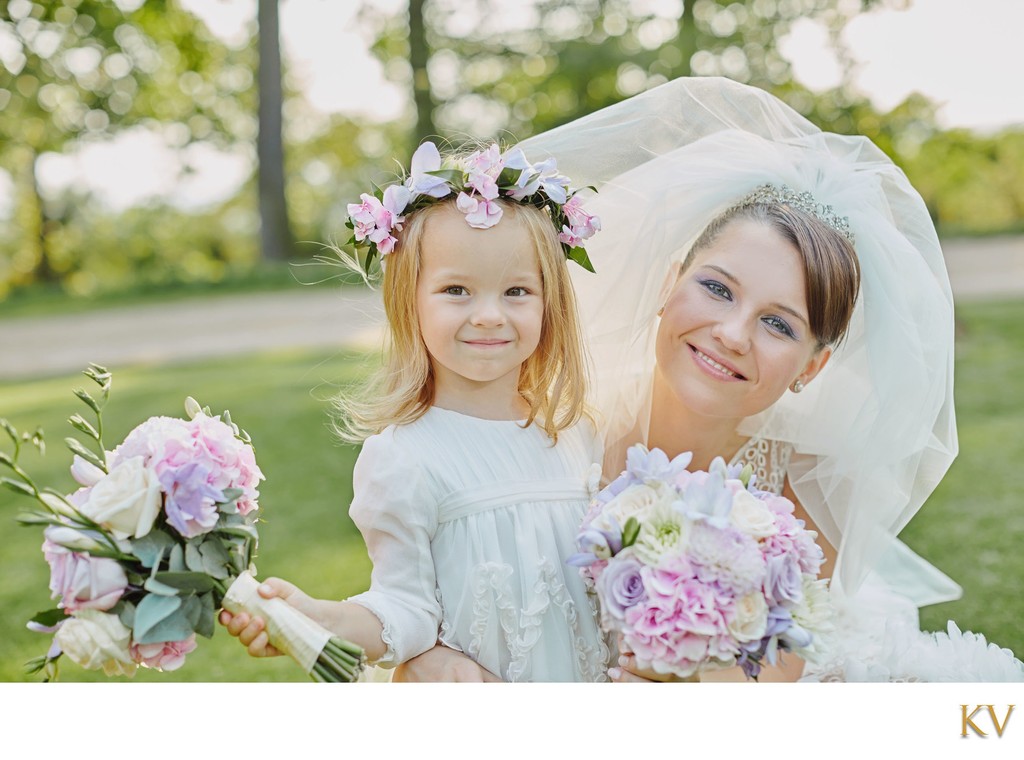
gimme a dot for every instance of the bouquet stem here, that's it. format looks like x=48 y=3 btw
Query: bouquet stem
x=318 y=652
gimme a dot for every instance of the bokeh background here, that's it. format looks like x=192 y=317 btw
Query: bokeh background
x=159 y=156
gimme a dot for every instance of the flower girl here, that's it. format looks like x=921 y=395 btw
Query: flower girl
x=478 y=457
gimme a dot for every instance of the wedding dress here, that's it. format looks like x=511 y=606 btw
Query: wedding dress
x=875 y=433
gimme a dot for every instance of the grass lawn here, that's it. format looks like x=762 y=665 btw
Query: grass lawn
x=972 y=528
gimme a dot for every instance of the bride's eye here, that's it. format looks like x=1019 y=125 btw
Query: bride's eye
x=716 y=288
x=779 y=325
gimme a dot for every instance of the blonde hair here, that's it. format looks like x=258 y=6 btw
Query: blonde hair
x=553 y=380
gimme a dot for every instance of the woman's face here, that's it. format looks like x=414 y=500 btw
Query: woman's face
x=734 y=333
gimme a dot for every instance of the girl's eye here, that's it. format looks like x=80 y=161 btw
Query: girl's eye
x=455 y=290
x=517 y=291
x=716 y=288
x=779 y=325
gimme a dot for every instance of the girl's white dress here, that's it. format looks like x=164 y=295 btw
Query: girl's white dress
x=469 y=523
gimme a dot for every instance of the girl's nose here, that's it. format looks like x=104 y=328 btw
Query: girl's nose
x=733 y=332
x=487 y=312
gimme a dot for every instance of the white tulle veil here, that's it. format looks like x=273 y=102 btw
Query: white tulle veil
x=875 y=432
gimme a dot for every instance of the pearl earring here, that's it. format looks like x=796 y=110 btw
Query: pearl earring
x=661 y=311
x=797 y=386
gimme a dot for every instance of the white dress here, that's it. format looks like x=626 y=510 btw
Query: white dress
x=468 y=523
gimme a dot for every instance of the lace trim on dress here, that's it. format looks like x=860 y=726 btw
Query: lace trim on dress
x=522 y=631
x=770 y=460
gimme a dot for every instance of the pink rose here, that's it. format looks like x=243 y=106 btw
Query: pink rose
x=80 y=581
x=163 y=655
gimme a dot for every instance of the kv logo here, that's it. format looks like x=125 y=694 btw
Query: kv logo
x=968 y=719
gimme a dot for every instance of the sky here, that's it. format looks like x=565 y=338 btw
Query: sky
x=967 y=57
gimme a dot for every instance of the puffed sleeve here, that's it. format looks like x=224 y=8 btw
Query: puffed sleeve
x=393 y=510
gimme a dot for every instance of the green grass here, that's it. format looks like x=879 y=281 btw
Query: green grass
x=972 y=528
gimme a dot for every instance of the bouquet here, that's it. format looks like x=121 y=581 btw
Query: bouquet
x=700 y=571
x=160 y=535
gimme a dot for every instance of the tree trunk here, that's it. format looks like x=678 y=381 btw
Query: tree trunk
x=43 y=271
x=419 y=53
x=275 y=229
x=687 y=39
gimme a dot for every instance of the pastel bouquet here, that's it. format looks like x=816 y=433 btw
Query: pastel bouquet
x=160 y=534
x=700 y=571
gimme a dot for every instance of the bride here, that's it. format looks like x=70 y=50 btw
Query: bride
x=861 y=447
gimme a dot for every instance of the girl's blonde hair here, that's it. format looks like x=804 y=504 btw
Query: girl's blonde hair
x=553 y=380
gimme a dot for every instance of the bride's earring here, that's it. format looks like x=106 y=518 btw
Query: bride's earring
x=797 y=386
x=661 y=311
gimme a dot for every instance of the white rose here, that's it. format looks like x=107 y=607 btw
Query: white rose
x=751 y=617
x=635 y=501
x=126 y=501
x=85 y=473
x=751 y=516
x=97 y=640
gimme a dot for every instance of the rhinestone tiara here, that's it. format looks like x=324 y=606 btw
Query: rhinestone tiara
x=801 y=200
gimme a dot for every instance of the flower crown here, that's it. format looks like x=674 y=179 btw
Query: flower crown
x=477 y=181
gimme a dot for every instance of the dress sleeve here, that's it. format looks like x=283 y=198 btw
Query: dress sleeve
x=397 y=517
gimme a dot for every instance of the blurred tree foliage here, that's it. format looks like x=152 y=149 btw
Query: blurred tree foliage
x=76 y=72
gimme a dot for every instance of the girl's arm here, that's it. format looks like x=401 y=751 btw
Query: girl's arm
x=345 y=619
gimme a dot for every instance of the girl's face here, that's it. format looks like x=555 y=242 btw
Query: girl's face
x=480 y=304
x=734 y=333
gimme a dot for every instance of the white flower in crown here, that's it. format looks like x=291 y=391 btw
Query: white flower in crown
x=426 y=159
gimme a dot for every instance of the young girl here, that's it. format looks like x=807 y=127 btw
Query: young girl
x=477 y=454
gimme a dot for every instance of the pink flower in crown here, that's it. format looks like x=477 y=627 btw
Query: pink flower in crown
x=569 y=237
x=163 y=655
x=375 y=219
x=426 y=159
x=583 y=225
x=484 y=167
x=480 y=212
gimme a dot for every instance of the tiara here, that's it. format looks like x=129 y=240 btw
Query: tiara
x=477 y=181
x=803 y=201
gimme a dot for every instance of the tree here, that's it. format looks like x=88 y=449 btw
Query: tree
x=275 y=229
x=527 y=67
x=80 y=70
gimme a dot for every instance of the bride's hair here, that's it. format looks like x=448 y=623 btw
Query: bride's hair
x=553 y=379
x=831 y=269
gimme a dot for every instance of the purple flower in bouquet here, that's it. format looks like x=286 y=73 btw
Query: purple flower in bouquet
x=190 y=501
x=622 y=587
x=709 y=572
x=784 y=584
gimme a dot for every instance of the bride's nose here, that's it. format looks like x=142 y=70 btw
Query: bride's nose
x=733 y=332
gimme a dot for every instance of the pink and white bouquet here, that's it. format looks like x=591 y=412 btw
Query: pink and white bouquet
x=160 y=534
x=700 y=571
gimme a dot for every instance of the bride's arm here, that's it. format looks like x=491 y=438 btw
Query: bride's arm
x=442 y=664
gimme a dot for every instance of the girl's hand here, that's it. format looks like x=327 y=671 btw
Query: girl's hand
x=251 y=631
x=442 y=664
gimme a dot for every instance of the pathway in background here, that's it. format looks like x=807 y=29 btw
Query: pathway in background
x=327 y=317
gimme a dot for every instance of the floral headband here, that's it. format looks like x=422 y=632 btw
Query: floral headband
x=477 y=180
